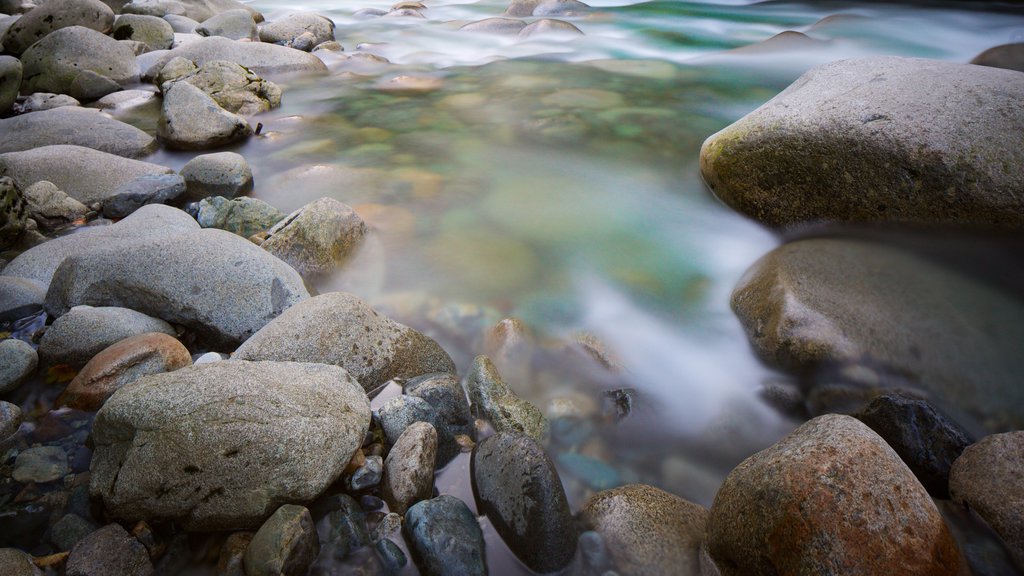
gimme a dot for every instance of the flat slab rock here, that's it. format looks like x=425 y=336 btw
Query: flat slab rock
x=221 y=446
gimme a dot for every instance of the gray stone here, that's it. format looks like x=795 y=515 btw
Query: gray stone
x=13 y=209
x=285 y=545
x=409 y=467
x=109 y=550
x=561 y=8
x=521 y=8
x=19 y=297
x=40 y=465
x=880 y=139
x=221 y=446
x=156 y=33
x=138 y=48
x=330 y=46
x=10 y=420
x=830 y=300
x=40 y=101
x=198 y=10
x=369 y=474
x=14 y=562
x=391 y=555
x=317 y=238
x=91 y=85
x=50 y=207
x=1007 y=56
x=152 y=189
x=235 y=88
x=338 y=328
x=445 y=538
x=506 y=26
x=222 y=286
x=400 y=412
x=549 y=26
x=287 y=29
x=75 y=126
x=10 y=81
x=54 y=63
x=50 y=16
x=126 y=100
x=69 y=531
x=233 y=24
x=517 y=487
x=242 y=216
x=491 y=398
x=341 y=524
x=181 y=24
x=831 y=497
x=987 y=477
x=305 y=42
x=263 y=59
x=390 y=526
x=647 y=531
x=445 y=394
x=175 y=68
x=222 y=174
x=41 y=262
x=84 y=174
x=18 y=360
x=191 y=120
x=158 y=8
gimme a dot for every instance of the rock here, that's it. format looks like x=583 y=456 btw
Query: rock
x=222 y=286
x=47 y=17
x=445 y=538
x=561 y=8
x=832 y=496
x=549 y=26
x=400 y=412
x=517 y=487
x=50 y=207
x=158 y=8
x=233 y=24
x=231 y=559
x=220 y=446
x=305 y=42
x=109 y=550
x=647 y=531
x=927 y=440
x=521 y=8
x=285 y=545
x=191 y=120
x=221 y=174
x=40 y=101
x=126 y=100
x=40 y=465
x=14 y=562
x=507 y=26
x=86 y=175
x=18 y=360
x=369 y=474
x=987 y=477
x=181 y=24
x=1008 y=56
x=175 y=69
x=10 y=420
x=263 y=59
x=444 y=392
x=409 y=467
x=19 y=298
x=55 y=63
x=198 y=10
x=76 y=126
x=287 y=29
x=880 y=139
x=492 y=399
x=339 y=328
x=242 y=216
x=91 y=85
x=329 y=46
x=151 y=189
x=317 y=238
x=69 y=531
x=234 y=88
x=391 y=555
x=84 y=332
x=10 y=81
x=120 y=365
x=13 y=210
x=822 y=301
x=156 y=33
x=341 y=524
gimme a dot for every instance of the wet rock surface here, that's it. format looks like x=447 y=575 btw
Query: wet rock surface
x=286 y=544
x=401 y=412
x=491 y=398
x=445 y=537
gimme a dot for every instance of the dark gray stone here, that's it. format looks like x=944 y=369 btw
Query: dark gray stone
x=341 y=524
x=69 y=531
x=285 y=545
x=40 y=101
x=154 y=189
x=50 y=16
x=391 y=555
x=109 y=550
x=400 y=412
x=55 y=63
x=50 y=207
x=192 y=120
x=224 y=174
x=10 y=81
x=40 y=465
x=233 y=24
x=14 y=562
x=445 y=538
x=13 y=209
x=491 y=398
x=368 y=475
x=10 y=420
x=156 y=33
x=444 y=392
x=84 y=332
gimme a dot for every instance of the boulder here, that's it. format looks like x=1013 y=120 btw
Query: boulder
x=109 y=550
x=151 y=189
x=70 y=55
x=288 y=29
x=234 y=88
x=506 y=26
x=445 y=538
x=338 y=328
x=40 y=101
x=517 y=487
x=19 y=297
x=881 y=139
x=548 y=26
x=261 y=58
x=84 y=332
x=830 y=498
x=198 y=10
x=647 y=531
x=285 y=545
x=75 y=126
x=1007 y=56
x=222 y=286
x=192 y=120
x=13 y=209
x=224 y=174
x=50 y=207
x=120 y=365
x=86 y=175
x=829 y=300
x=317 y=238
x=14 y=562
x=221 y=446
x=491 y=398
x=409 y=468
x=10 y=81
x=242 y=216
x=233 y=24
x=47 y=17
x=156 y=33
x=10 y=420
x=18 y=360
x=987 y=477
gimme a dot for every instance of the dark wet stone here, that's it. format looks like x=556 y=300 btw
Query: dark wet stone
x=491 y=398
x=40 y=465
x=152 y=189
x=341 y=524
x=14 y=562
x=391 y=555
x=13 y=209
x=285 y=545
x=445 y=538
x=18 y=360
x=1008 y=56
x=444 y=392
x=401 y=412
x=368 y=475
x=109 y=550
x=69 y=531
x=517 y=487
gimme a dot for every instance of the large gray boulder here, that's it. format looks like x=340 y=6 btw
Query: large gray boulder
x=262 y=58
x=235 y=88
x=10 y=81
x=287 y=29
x=220 y=446
x=825 y=301
x=243 y=216
x=75 y=126
x=224 y=174
x=84 y=174
x=214 y=282
x=192 y=120
x=881 y=139
x=19 y=297
x=339 y=328
x=68 y=60
x=233 y=24
x=54 y=15
x=85 y=331
x=155 y=33
x=197 y=10
x=317 y=238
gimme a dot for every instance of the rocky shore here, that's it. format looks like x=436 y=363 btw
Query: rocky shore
x=218 y=415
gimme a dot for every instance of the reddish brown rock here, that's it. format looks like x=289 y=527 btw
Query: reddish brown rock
x=121 y=364
x=830 y=498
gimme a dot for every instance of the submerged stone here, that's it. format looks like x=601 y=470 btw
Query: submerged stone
x=445 y=538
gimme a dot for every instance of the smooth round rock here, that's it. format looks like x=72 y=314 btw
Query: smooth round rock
x=400 y=412
x=150 y=189
x=47 y=17
x=181 y=24
x=76 y=126
x=288 y=29
x=57 y=61
x=109 y=550
x=156 y=33
x=12 y=209
x=18 y=360
x=285 y=545
x=192 y=120
x=85 y=331
x=517 y=487
x=198 y=10
x=832 y=497
x=10 y=81
x=409 y=467
x=1007 y=56
x=317 y=238
x=40 y=465
x=445 y=538
x=19 y=298
x=224 y=174
x=233 y=24
x=10 y=419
